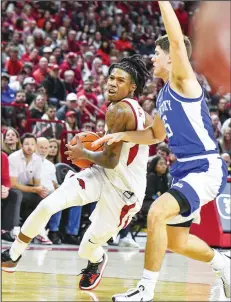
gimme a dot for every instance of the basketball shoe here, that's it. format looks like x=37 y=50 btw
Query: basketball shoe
x=8 y=265
x=92 y=274
x=140 y=293
x=224 y=274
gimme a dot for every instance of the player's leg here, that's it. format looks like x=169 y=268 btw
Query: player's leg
x=80 y=189
x=183 y=243
x=163 y=209
x=113 y=211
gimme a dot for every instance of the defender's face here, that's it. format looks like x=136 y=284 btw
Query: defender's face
x=160 y=62
x=119 y=85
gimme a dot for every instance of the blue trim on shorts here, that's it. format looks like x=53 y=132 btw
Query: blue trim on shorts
x=224 y=177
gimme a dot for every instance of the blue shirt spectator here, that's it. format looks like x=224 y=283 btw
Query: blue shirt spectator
x=7 y=94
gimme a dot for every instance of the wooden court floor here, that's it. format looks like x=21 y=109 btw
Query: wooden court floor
x=51 y=274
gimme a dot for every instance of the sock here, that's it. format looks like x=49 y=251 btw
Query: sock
x=217 y=262
x=17 y=248
x=149 y=280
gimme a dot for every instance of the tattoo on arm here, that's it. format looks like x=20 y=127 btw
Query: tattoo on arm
x=116 y=120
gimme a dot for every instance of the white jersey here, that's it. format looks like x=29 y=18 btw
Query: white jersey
x=130 y=173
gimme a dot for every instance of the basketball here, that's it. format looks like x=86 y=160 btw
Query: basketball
x=212 y=43
x=87 y=138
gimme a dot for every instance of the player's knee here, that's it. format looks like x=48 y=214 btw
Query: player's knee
x=156 y=214
x=46 y=207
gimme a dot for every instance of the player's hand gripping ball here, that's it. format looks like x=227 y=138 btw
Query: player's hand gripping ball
x=86 y=139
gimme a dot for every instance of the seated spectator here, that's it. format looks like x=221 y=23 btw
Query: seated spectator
x=42 y=71
x=48 y=129
x=216 y=125
x=157 y=181
x=10 y=203
x=13 y=65
x=7 y=94
x=71 y=64
x=55 y=89
x=227 y=159
x=25 y=176
x=21 y=122
x=69 y=85
x=99 y=126
x=89 y=94
x=225 y=141
x=226 y=124
x=71 y=124
x=71 y=104
x=148 y=106
x=86 y=115
x=163 y=151
x=11 y=141
x=54 y=151
x=38 y=106
x=29 y=88
x=222 y=111
x=16 y=82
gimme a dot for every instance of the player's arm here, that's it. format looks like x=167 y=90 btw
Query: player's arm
x=181 y=67
x=153 y=134
x=117 y=118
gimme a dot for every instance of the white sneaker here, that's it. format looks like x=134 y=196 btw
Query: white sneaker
x=128 y=242
x=135 y=294
x=224 y=274
x=42 y=238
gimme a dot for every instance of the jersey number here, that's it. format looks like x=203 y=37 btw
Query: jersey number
x=167 y=127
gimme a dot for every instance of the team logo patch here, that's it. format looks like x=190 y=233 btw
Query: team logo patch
x=81 y=183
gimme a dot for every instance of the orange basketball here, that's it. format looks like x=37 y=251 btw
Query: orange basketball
x=86 y=138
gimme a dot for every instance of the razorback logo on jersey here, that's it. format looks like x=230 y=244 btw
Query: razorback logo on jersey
x=81 y=183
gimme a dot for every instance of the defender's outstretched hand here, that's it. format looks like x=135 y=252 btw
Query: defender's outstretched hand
x=109 y=138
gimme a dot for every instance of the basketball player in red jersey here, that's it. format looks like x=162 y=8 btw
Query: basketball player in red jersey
x=117 y=180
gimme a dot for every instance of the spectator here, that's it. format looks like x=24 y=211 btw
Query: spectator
x=48 y=129
x=157 y=180
x=42 y=71
x=13 y=65
x=69 y=85
x=85 y=114
x=21 y=123
x=71 y=64
x=222 y=112
x=10 y=203
x=71 y=104
x=46 y=52
x=99 y=126
x=148 y=106
x=226 y=124
x=216 y=125
x=90 y=95
x=182 y=16
x=71 y=124
x=16 y=82
x=11 y=141
x=25 y=170
x=54 y=151
x=226 y=157
x=29 y=88
x=225 y=141
x=38 y=107
x=163 y=151
x=54 y=86
x=7 y=94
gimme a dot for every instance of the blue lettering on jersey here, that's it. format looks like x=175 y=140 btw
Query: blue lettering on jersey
x=187 y=122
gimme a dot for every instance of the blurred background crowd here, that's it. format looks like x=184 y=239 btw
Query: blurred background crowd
x=55 y=57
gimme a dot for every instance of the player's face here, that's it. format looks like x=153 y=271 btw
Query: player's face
x=160 y=63
x=119 y=85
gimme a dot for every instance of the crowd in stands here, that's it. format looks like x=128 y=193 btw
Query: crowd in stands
x=55 y=57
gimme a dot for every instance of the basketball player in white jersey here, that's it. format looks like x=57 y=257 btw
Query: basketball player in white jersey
x=199 y=172
x=117 y=181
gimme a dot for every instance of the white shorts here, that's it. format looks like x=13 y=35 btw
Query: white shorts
x=115 y=208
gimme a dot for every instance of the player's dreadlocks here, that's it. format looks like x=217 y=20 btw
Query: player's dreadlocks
x=136 y=67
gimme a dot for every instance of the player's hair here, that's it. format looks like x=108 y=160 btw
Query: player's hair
x=137 y=69
x=164 y=44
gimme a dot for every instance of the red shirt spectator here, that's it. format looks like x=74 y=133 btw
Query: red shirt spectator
x=182 y=16
x=13 y=66
x=40 y=73
x=32 y=57
x=5 y=179
x=91 y=97
x=123 y=43
x=71 y=64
